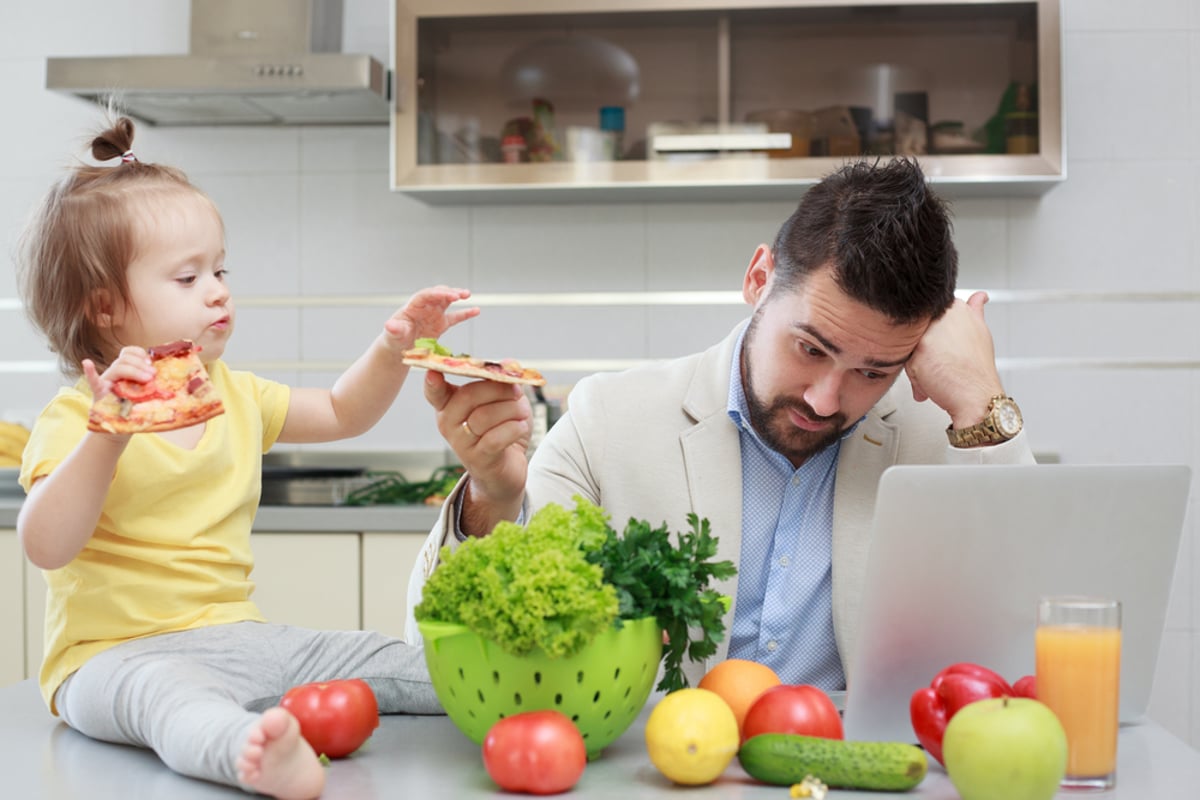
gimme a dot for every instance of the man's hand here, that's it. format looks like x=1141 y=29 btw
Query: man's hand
x=487 y=424
x=954 y=364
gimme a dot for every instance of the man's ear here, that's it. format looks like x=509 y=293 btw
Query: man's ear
x=100 y=308
x=758 y=275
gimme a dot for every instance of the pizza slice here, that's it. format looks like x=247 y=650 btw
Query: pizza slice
x=428 y=354
x=179 y=395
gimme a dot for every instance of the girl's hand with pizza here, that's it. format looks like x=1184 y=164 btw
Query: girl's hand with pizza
x=131 y=364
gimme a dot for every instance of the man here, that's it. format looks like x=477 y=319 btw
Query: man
x=856 y=357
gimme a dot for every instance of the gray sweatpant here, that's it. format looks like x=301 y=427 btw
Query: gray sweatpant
x=192 y=696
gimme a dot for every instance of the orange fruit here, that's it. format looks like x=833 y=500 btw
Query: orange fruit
x=739 y=683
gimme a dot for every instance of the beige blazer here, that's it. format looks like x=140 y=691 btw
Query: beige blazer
x=656 y=443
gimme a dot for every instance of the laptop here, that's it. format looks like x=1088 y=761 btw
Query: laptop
x=960 y=555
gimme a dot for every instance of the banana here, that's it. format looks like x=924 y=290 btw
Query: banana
x=12 y=443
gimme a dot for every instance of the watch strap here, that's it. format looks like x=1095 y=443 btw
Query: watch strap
x=981 y=433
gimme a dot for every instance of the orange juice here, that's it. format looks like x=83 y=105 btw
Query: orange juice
x=1078 y=676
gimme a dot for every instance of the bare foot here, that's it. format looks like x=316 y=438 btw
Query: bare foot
x=276 y=761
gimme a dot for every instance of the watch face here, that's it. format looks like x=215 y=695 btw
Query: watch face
x=1008 y=418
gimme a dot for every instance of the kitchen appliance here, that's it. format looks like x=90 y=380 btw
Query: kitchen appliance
x=251 y=62
x=796 y=123
x=8 y=483
x=310 y=486
x=315 y=477
x=670 y=141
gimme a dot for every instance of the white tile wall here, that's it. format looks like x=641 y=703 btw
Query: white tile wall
x=1126 y=94
x=1113 y=225
x=546 y=249
x=357 y=237
x=1120 y=16
x=309 y=212
x=981 y=233
x=703 y=246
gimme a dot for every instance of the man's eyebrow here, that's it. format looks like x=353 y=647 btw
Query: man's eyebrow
x=821 y=340
x=833 y=348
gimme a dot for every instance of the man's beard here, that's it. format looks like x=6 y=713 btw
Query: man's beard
x=772 y=422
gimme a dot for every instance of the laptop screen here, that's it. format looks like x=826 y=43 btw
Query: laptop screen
x=959 y=556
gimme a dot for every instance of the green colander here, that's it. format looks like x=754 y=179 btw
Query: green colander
x=602 y=688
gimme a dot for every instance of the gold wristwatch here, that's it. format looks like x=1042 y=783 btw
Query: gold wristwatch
x=1001 y=423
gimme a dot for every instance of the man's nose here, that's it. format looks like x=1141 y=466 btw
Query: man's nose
x=822 y=395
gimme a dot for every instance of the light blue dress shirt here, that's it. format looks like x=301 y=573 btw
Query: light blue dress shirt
x=784 y=612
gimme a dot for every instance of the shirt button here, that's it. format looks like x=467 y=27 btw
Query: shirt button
x=772 y=645
x=784 y=561
x=795 y=480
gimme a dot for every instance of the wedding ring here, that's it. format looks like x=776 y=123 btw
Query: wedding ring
x=466 y=427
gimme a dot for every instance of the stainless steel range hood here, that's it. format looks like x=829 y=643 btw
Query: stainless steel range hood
x=251 y=62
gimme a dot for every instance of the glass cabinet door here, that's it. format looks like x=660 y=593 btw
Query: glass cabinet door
x=695 y=100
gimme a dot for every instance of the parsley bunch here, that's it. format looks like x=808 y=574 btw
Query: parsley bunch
x=655 y=578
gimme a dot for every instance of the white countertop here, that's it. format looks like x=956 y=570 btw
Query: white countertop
x=427 y=757
x=417 y=464
x=301 y=519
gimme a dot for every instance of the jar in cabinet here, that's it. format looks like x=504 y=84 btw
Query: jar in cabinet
x=514 y=149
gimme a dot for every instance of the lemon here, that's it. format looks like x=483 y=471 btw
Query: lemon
x=691 y=736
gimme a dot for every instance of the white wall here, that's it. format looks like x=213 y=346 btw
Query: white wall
x=309 y=213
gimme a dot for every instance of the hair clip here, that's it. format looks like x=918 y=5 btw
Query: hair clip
x=128 y=156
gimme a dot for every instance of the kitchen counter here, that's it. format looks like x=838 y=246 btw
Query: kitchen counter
x=301 y=519
x=416 y=464
x=427 y=757
x=346 y=518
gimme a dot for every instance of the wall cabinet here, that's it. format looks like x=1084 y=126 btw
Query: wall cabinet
x=308 y=579
x=35 y=617
x=336 y=581
x=388 y=559
x=536 y=100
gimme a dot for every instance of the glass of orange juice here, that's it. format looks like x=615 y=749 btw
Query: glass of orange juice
x=1078 y=652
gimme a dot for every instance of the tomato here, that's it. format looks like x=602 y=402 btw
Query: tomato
x=538 y=752
x=138 y=392
x=793 y=709
x=335 y=717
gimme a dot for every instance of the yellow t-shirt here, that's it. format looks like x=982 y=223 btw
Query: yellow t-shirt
x=171 y=550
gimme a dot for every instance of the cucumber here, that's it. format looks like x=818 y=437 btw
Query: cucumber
x=785 y=758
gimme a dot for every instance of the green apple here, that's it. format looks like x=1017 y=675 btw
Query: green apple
x=1003 y=748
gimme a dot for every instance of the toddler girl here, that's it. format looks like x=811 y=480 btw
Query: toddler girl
x=144 y=539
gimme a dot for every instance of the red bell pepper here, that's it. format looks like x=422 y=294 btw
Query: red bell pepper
x=1026 y=687
x=954 y=687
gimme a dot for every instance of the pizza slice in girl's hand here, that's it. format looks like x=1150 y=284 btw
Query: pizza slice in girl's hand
x=428 y=354
x=180 y=394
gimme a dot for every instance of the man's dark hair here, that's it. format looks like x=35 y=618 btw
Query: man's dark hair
x=884 y=232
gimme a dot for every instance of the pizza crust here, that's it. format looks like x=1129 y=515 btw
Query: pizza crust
x=163 y=419
x=180 y=395
x=507 y=371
